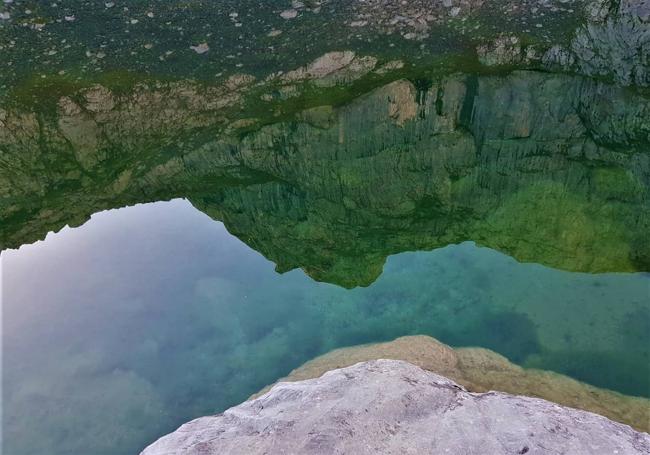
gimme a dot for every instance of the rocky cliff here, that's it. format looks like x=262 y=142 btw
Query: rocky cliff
x=393 y=407
x=503 y=161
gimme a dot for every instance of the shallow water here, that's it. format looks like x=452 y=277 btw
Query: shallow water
x=195 y=200
x=151 y=315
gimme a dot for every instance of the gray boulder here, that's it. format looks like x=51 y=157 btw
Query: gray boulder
x=394 y=407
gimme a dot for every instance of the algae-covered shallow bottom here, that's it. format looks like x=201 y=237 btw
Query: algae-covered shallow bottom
x=148 y=316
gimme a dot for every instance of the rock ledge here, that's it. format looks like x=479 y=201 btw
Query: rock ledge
x=394 y=407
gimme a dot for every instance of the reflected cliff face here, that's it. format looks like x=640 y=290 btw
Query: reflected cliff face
x=358 y=172
x=442 y=168
x=546 y=168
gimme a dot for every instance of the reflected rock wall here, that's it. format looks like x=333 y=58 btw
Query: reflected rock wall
x=547 y=168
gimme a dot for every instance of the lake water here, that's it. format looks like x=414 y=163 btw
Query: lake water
x=197 y=198
x=151 y=315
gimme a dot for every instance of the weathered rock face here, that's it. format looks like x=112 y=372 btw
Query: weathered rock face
x=393 y=407
x=505 y=162
x=615 y=42
x=482 y=370
x=547 y=168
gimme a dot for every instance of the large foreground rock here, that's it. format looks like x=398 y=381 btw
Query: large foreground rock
x=394 y=407
x=482 y=370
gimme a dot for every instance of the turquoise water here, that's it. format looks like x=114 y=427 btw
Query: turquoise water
x=151 y=315
x=352 y=174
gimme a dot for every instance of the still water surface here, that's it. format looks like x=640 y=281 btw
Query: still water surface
x=118 y=331
x=299 y=144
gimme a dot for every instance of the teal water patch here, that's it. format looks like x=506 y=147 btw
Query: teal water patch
x=149 y=316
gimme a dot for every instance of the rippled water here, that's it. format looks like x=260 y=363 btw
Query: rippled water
x=151 y=315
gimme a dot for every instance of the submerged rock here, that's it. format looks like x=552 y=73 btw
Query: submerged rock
x=289 y=14
x=394 y=407
x=611 y=37
x=332 y=69
x=200 y=48
x=482 y=370
x=505 y=50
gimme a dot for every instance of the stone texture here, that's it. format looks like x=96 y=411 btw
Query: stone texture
x=613 y=43
x=482 y=370
x=611 y=37
x=330 y=69
x=616 y=42
x=505 y=50
x=394 y=407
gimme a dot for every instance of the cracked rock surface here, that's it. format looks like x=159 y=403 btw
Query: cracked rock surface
x=394 y=407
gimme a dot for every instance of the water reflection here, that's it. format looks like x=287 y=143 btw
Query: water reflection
x=148 y=316
x=503 y=211
x=546 y=168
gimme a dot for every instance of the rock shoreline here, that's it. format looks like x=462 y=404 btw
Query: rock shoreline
x=483 y=370
x=394 y=407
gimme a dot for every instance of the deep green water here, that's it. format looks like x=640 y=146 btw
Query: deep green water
x=151 y=315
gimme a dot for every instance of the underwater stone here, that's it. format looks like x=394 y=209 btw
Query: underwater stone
x=200 y=48
x=289 y=14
